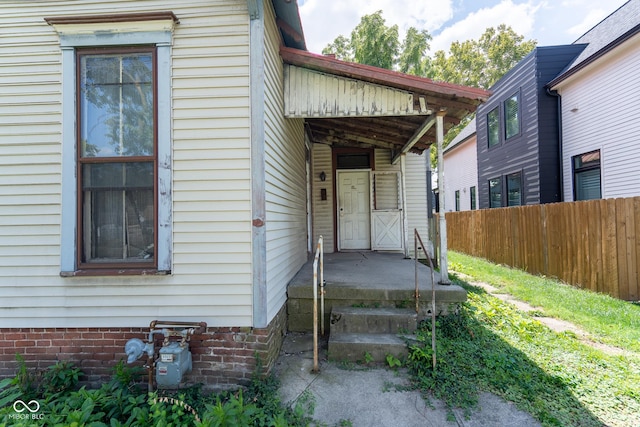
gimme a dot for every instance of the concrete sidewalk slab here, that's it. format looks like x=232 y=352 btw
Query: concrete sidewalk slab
x=366 y=397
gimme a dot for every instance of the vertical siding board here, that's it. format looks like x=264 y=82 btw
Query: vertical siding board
x=592 y=244
x=635 y=285
x=621 y=227
x=611 y=272
x=631 y=241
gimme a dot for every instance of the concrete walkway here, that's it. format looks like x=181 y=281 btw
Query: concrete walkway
x=363 y=397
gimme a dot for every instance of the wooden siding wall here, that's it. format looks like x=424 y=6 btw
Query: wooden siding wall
x=607 y=92
x=211 y=273
x=322 y=161
x=286 y=193
x=593 y=245
x=416 y=187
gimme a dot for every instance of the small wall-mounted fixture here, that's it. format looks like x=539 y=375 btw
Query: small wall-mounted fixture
x=323 y=194
x=574 y=109
x=323 y=176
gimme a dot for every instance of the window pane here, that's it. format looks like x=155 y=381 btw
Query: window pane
x=514 y=190
x=512 y=124
x=493 y=128
x=117 y=175
x=495 y=193
x=116 y=105
x=118 y=212
x=588 y=185
x=586 y=168
x=472 y=192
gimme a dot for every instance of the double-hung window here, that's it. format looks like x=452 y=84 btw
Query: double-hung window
x=116 y=143
x=117 y=158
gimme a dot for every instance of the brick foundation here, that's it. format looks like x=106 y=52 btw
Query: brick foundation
x=223 y=358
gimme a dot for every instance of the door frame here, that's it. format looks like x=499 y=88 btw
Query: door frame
x=337 y=205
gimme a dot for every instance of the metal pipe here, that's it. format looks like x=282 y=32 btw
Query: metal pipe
x=315 y=305
x=322 y=290
x=433 y=296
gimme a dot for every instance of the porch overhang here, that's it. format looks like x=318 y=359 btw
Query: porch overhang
x=353 y=105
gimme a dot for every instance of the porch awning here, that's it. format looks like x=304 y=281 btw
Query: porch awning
x=348 y=104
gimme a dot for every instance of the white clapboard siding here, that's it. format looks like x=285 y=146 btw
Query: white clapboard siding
x=461 y=173
x=322 y=209
x=211 y=177
x=310 y=93
x=285 y=175
x=416 y=186
x=606 y=100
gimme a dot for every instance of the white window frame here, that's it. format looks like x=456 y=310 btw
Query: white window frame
x=72 y=36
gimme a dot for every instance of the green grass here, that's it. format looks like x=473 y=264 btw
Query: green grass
x=608 y=320
x=494 y=347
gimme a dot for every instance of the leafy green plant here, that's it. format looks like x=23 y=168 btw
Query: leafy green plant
x=393 y=362
x=492 y=346
x=59 y=378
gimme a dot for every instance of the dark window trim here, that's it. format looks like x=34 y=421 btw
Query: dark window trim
x=499 y=178
x=499 y=120
x=473 y=198
x=518 y=95
x=585 y=169
x=114 y=268
x=506 y=187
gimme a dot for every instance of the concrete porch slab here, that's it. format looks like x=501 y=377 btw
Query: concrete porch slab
x=368 y=279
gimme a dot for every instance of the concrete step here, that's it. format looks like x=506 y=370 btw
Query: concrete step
x=352 y=347
x=378 y=320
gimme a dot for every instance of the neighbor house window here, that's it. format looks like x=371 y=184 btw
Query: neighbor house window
x=493 y=127
x=495 y=193
x=472 y=195
x=457 y=200
x=511 y=116
x=514 y=189
x=586 y=176
x=117 y=163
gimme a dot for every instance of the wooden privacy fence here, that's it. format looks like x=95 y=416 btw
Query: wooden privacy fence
x=592 y=244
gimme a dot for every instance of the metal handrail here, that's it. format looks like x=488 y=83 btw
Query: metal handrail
x=417 y=239
x=319 y=256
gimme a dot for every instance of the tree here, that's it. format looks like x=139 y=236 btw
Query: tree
x=414 y=59
x=371 y=43
x=483 y=62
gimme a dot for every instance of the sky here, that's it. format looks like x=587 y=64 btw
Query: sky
x=547 y=21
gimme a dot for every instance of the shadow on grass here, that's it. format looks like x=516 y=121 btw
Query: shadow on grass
x=472 y=357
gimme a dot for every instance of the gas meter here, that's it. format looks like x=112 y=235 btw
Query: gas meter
x=173 y=363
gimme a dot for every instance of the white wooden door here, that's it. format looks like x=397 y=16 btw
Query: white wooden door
x=354 y=214
x=386 y=216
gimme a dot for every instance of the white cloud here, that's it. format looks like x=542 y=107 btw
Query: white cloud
x=589 y=21
x=520 y=17
x=324 y=20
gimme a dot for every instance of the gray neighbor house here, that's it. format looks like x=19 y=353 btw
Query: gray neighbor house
x=518 y=133
x=538 y=137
